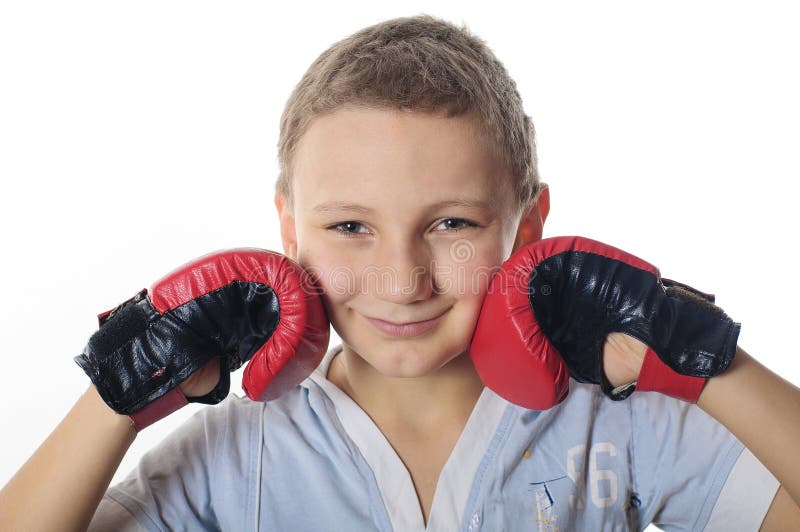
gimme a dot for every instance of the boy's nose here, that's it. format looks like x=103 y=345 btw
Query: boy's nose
x=403 y=275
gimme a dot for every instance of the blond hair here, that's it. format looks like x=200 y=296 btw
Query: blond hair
x=416 y=63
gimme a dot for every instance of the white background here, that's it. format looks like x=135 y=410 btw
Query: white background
x=136 y=136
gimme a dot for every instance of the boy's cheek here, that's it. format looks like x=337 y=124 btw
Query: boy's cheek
x=467 y=269
x=335 y=279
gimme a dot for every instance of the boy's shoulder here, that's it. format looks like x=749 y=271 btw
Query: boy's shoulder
x=238 y=409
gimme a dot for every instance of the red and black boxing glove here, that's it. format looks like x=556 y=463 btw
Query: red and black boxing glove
x=552 y=303
x=236 y=305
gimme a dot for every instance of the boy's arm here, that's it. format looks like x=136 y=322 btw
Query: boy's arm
x=60 y=486
x=763 y=411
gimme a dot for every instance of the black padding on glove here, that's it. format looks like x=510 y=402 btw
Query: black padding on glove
x=137 y=355
x=578 y=298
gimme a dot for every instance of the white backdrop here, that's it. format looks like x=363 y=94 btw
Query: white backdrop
x=136 y=136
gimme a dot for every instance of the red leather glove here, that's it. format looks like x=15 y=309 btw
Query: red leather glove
x=551 y=305
x=237 y=305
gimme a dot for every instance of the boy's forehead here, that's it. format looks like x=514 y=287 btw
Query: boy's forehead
x=383 y=155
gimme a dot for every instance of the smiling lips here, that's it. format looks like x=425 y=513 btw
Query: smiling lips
x=405 y=329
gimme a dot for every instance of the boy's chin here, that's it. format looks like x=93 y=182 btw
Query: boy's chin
x=410 y=361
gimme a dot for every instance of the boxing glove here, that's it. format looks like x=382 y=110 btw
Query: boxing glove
x=239 y=305
x=551 y=305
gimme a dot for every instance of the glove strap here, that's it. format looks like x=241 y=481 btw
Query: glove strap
x=658 y=377
x=161 y=407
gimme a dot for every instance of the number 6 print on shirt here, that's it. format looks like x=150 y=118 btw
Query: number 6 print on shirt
x=576 y=471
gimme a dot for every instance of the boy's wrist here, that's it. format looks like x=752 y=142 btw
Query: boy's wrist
x=101 y=411
x=717 y=384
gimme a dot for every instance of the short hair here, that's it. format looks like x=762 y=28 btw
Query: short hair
x=416 y=63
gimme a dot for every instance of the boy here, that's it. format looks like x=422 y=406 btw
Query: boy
x=395 y=429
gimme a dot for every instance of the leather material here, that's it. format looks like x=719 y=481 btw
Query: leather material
x=300 y=340
x=237 y=305
x=551 y=305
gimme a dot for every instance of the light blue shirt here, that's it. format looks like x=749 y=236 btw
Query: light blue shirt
x=313 y=460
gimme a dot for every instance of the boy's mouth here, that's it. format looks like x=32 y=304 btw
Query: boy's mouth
x=409 y=328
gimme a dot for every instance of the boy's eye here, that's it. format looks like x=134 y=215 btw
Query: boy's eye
x=456 y=224
x=350 y=228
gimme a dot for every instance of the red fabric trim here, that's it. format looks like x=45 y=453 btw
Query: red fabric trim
x=160 y=408
x=658 y=377
x=103 y=315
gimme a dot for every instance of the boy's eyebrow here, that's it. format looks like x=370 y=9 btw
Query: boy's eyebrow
x=335 y=206
x=338 y=206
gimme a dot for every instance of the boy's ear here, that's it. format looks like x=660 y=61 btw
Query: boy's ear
x=288 y=230
x=532 y=223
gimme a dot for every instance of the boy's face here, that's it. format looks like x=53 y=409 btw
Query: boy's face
x=402 y=257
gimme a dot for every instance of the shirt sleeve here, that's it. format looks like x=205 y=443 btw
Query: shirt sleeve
x=171 y=488
x=690 y=472
x=748 y=481
x=111 y=515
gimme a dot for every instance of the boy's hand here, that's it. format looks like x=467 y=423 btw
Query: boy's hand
x=553 y=308
x=179 y=342
x=622 y=358
x=202 y=381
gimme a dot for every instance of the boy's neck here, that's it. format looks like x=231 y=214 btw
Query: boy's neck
x=441 y=400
